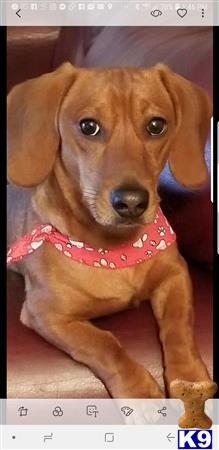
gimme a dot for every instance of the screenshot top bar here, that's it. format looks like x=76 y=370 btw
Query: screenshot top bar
x=105 y=13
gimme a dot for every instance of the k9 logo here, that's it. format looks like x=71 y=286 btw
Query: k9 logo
x=194 y=439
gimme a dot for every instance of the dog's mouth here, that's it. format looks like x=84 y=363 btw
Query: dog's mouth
x=108 y=218
x=129 y=223
x=143 y=220
x=104 y=212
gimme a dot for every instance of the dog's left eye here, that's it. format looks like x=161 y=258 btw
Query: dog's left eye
x=156 y=126
x=89 y=127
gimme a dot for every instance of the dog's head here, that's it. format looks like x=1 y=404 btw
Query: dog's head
x=112 y=130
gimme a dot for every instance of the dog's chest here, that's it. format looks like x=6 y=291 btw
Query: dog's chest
x=91 y=292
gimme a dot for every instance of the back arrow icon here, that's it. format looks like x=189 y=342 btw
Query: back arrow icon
x=169 y=437
x=17 y=12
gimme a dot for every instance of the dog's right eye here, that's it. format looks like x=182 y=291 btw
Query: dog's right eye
x=89 y=127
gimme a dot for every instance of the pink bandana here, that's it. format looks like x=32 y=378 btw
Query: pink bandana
x=153 y=239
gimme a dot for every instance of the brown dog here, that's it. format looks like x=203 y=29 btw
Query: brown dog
x=71 y=167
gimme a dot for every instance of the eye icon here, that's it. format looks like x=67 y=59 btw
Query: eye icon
x=156 y=13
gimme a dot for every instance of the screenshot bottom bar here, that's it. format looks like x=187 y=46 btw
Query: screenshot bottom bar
x=159 y=437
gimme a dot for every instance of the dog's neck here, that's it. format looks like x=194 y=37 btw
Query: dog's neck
x=58 y=202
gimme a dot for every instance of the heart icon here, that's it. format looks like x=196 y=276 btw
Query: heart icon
x=181 y=12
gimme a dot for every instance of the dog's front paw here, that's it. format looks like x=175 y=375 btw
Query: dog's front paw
x=193 y=372
x=138 y=383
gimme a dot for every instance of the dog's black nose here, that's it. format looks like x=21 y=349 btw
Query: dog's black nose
x=129 y=202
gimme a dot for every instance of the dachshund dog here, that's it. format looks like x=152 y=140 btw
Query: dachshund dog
x=85 y=150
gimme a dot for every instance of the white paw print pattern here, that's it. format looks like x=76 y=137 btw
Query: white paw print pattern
x=161 y=230
x=145 y=246
x=36 y=244
x=156 y=218
x=102 y=251
x=104 y=263
x=140 y=242
x=47 y=229
x=101 y=263
x=162 y=245
x=96 y=264
x=77 y=244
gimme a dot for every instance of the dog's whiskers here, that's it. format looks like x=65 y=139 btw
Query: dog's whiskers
x=89 y=193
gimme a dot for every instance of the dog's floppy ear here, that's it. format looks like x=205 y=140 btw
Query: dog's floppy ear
x=193 y=110
x=33 y=135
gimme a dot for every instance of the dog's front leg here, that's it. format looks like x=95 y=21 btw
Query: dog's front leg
x=100 y=351
x=172 y=303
